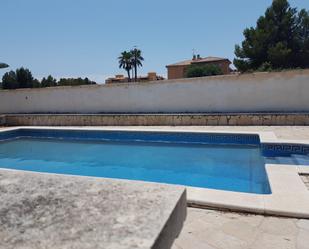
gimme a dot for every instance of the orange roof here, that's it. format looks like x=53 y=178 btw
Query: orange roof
x=201 y=60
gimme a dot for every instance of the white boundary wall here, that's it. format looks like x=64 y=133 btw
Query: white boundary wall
x=260 y=92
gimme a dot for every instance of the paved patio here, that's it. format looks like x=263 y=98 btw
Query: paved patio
x=209 y=229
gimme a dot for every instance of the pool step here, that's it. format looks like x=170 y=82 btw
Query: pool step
x=271 y=160
x=292 y=160
x=301 y=159
x=286 y=160
x=280 y=160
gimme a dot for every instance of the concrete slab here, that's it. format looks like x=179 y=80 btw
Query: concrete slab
x=58 y=211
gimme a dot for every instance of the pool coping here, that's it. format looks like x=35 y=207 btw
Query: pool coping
x=289 y=196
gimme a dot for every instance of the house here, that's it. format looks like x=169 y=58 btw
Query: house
x=119 y=78
x=179 y=70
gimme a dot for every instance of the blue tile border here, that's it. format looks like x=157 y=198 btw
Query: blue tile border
x=179 y=137
x=284 y=149
x=268 y=149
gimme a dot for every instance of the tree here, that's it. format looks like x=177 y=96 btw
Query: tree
x=49 y=81
x=200 y=71
x=21 y=78
x=303 y=38
x=36 y=83
x=136 y=60
x=86 y=81
x=280 y=39
x=125 y=62
x=9 y=80
x=74 y=82
x=24 y=78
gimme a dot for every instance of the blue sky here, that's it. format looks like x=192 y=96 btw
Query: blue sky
x=71 y=38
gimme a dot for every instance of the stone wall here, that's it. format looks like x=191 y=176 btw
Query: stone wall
x=157 y=119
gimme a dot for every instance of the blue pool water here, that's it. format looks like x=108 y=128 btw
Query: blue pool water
x=234 y=167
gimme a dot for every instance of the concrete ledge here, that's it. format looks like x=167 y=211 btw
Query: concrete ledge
x=237 y=119
x=39 y=210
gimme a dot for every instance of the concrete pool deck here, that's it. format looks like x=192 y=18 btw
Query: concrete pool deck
x=289 y=195
x=39 y=210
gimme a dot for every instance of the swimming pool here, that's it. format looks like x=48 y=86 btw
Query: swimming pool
x=232 y=162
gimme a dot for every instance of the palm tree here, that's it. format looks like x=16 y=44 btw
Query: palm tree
x=125 y=62
x=136 y=60
x=3 y=65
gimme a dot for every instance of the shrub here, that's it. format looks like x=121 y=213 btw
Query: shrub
x=201 y=71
